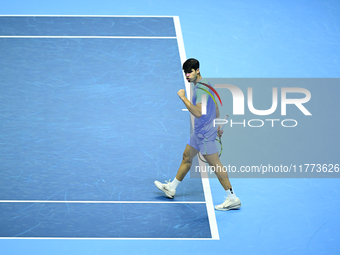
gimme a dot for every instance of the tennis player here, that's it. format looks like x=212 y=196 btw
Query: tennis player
x=202 y=139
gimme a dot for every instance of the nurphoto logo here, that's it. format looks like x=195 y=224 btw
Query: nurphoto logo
x=238 y=105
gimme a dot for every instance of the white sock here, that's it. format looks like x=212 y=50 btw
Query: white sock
x=174 y=184
x=231 y=194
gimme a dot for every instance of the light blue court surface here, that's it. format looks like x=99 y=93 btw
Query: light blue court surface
x=43 y=132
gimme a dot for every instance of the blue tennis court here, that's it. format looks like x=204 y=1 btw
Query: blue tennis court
x=88 y=135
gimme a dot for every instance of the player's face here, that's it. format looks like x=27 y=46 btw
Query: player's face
x=192 y=76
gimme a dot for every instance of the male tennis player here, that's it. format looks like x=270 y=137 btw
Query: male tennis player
x=202 y=139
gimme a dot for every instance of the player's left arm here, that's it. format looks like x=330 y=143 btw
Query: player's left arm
x=195 y=110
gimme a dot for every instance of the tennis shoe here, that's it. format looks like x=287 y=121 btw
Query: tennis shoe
x=165 y=187
x=229 y=204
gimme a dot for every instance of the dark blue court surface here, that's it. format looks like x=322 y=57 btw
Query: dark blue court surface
x=128 y=220
x=89 y=26
x=93 y=119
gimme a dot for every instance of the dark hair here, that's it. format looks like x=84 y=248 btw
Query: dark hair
x=190 y=64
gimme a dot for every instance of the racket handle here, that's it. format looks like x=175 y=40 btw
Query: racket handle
x=222 y=125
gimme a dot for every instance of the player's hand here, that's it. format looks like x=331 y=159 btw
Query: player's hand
x=181 y=93
x=219 y=132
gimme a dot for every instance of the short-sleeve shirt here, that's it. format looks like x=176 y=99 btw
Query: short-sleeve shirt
x=204 y=126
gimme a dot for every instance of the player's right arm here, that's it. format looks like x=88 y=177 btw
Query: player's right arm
x=195 y=110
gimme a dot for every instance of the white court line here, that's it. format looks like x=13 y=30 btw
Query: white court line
x=182 y=54
x=84 y=37
x=204 y=176
x=102 y=202
x=103 y=238
x=87 y=16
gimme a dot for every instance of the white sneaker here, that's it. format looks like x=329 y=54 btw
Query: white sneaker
x=229 y=204
x=166 y=189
